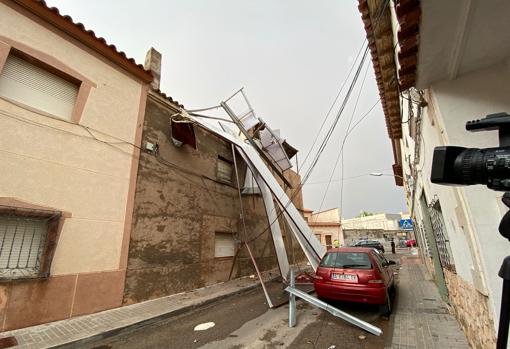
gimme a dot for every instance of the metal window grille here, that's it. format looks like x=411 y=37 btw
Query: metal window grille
x=441 y=236
x=22 y=242
x=420 y=231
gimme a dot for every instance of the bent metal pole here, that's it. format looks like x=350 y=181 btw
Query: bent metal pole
x=245 y=233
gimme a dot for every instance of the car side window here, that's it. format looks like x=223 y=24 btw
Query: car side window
x=381 y=261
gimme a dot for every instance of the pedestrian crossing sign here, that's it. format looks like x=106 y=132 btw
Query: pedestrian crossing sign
x=406 y=224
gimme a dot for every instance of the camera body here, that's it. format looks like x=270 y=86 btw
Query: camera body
x=452 y=165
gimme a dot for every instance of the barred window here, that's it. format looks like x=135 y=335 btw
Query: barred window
x=22 y=242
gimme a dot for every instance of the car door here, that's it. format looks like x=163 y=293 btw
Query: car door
x=386 y=269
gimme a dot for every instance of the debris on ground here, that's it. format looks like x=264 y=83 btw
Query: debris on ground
x=204 y=326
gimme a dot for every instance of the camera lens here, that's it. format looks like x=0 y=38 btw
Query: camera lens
x=469 y=166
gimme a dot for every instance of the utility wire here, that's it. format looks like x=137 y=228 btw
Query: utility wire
x=333 y=104
x=344 y=139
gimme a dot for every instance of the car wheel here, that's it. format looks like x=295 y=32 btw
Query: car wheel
x=385 y=309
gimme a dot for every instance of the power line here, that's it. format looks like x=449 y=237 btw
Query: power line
x=333 y=104
x=344 y=139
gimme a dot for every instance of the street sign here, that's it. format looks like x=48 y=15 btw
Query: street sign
x=406 y=224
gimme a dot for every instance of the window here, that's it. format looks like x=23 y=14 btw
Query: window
x=36 y=87
x=22 y=245
x=224 y=245
x=348 y=260
x=224 y=170
x=328 y=242
x=381 y=260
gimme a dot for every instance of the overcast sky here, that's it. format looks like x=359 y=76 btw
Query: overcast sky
x=291 y=57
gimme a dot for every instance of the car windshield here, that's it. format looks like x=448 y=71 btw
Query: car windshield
x=350 y=260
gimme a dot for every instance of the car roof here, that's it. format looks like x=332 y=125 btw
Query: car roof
x=352 y=249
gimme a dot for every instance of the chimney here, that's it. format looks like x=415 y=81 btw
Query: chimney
x=153 y=63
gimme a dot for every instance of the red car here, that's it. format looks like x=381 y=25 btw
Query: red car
x=355 y=274
x=411 y=243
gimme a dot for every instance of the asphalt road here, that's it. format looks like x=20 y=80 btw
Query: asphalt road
x=244 y=321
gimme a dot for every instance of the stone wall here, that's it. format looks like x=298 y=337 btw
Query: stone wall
x=471 y=309
x=352 y=235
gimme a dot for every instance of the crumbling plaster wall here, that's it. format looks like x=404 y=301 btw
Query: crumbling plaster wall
x=179 y=205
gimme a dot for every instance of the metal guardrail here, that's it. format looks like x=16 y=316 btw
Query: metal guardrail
x=323 y=305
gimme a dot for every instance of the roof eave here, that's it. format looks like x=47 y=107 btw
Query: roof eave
x=86 y=37
x=380 y=36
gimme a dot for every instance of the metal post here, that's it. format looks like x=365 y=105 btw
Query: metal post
x=245 y=233
x=336 y=312
x=292 y=301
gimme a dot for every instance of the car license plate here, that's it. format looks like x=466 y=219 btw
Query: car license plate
x=344 y=277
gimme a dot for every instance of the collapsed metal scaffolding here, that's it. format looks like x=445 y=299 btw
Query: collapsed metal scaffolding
x=260 y=155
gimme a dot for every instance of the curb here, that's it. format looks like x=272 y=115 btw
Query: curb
x=77 y=343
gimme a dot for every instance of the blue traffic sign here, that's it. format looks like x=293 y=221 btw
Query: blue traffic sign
x=406 y=224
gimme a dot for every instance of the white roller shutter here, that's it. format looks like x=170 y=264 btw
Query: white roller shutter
x=224 y=245
x=224 y=171
x=23 y=82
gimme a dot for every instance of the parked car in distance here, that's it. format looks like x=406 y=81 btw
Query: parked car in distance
x=411 y=243
x=355 y=274
x=370 y=243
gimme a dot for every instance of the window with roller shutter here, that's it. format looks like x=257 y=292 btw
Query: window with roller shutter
x=224 y=245
x=224 y=170
x=30 y=85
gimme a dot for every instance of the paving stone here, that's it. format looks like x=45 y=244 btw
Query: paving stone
x=421 y=319
x=80 y=328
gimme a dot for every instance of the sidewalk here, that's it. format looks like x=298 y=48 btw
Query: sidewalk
x=421 y=318
x=75 y=332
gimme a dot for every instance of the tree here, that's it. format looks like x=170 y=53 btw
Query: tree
x=364 y=214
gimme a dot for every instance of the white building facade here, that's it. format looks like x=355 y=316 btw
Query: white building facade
x=451 y=62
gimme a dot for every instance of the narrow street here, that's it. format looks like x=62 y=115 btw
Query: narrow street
x=244 y=321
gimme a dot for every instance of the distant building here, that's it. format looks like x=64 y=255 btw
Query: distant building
x=327 y=227
x=378 y=226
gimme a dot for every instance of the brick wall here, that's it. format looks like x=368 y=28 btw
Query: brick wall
x=471 y=309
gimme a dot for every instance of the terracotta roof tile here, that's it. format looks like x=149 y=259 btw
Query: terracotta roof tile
x=168 y=98
x=77 y=30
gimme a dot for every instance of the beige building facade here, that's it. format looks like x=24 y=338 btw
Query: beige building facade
x=71 y=114
x=327 y=227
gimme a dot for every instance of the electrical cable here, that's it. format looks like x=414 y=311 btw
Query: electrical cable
x=383 y=7
x=112 y=144
x=301 y=186
x=343 y=141
x=333 y=104
x=296 y=191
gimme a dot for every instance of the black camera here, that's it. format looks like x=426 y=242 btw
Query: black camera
x=467 y=166
x=490 y=166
